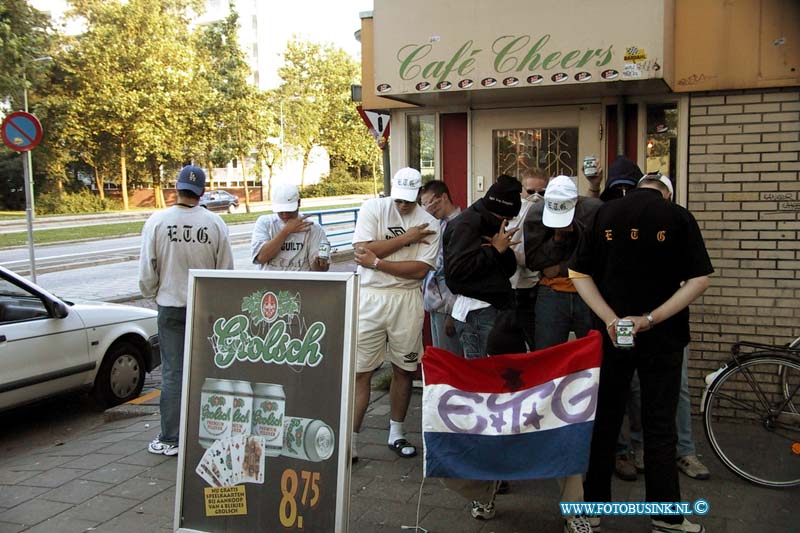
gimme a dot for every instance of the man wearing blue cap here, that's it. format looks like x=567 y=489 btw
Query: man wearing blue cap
x=175 y=240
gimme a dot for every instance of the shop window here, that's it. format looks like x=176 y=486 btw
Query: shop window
x=422 y=144
x=553 y=149
x=662 y=140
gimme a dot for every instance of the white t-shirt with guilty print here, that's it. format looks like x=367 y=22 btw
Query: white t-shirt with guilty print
x=379 y=219
x=297 y=252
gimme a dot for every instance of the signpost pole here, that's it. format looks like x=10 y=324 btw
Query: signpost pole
x=26 y=166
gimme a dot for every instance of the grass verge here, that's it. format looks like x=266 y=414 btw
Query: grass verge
x=120 y=229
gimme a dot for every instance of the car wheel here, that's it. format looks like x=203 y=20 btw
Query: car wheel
x=231 y=208
x=121 y=375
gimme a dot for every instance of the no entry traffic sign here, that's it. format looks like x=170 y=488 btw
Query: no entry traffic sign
x=21 y=131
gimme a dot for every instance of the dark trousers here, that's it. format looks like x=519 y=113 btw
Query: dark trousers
x=660 y=377
x=525 y=305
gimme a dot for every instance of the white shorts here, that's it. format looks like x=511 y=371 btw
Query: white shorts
x=393 y=315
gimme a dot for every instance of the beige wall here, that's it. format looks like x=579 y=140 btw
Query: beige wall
x=721 y=44
x=369 y=100
x=744 y=191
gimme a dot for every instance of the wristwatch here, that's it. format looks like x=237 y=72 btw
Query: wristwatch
x=650 y=320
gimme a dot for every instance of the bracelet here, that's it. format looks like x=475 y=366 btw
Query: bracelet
x=612 y=323
x=594 y=190
x=375 y=263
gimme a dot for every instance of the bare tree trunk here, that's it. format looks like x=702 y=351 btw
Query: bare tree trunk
x=244 y=179
x=306 y=155
x=210 y=174
x=98 y=182
x=123 y=185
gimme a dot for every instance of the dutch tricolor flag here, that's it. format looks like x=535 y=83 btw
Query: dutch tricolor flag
x=519 y=416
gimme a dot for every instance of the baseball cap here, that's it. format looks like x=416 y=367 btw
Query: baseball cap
x=656 y=176
x=623 y=171
x=503 y=197
x=405 y=184
x=560 y=199
x=191 y=178
x=285 y=198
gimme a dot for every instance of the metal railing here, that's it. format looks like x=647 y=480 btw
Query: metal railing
x=343 y=225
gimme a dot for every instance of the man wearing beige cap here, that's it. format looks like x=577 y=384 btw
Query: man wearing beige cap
x=396 y=243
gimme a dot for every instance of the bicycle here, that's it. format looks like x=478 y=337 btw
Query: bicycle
x=750 y=413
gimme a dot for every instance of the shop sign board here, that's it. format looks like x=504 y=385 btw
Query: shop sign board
x=423 y=46
x=267 y=402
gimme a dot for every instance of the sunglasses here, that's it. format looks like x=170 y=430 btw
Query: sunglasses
x=403 y=202
x=535 y=191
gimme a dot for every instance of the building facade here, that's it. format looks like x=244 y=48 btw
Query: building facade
x=705 y=91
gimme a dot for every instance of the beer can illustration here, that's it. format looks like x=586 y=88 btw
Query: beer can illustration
x=307 y=439
x=216 y=403
x=625 y=333
x=324 y=250
x=590 y=165
x=269 y=406
x=242 y=415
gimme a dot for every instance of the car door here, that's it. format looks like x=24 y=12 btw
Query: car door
x=40 y=355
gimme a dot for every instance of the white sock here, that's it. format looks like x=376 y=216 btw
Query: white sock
x=396 y=431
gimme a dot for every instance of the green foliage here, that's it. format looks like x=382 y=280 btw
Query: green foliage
x=74 y=203
x=337 y=188
x=23 y=38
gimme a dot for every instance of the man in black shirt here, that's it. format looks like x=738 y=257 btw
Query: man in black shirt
x=644 y=260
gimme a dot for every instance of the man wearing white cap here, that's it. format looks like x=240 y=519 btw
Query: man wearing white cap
x=552 y=230
x=396 y=243
x=287 y=241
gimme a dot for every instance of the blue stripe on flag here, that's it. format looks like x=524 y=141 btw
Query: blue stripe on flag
x=540 y=454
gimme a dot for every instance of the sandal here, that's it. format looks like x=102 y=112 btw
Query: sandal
x=403 y=448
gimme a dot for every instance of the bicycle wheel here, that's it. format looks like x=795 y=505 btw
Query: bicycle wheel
x=749 y=423
x=790 y=381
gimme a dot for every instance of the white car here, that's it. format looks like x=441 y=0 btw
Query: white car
x=49 y=346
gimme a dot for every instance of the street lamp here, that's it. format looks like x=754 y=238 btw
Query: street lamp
x=29 y=214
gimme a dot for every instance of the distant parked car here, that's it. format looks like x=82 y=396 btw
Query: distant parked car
x=49 y=346
x=219 y=200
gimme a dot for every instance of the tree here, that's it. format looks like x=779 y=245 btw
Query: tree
x=24 y=36
x=133 y=77
x=317 y=106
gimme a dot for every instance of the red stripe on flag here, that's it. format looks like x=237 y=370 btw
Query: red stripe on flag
x=507 y=373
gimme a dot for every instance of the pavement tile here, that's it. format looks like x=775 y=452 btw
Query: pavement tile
x=74 y=448
x=15 y=495
x=93 y=461
x=102 y=508
x=144 y=458
x=38 y=462
x=12 y=477
x=126 y=447
x=8 y=527
x=114 y=473
x=76 y=491
x=135 y=521
x=167 y=470
x=32 y=512
x=140 y=488
x=54 y=478
x=109 y=436
x=63 y=524
x=162 y=504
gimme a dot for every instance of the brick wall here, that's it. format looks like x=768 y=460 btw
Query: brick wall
x=744 y=191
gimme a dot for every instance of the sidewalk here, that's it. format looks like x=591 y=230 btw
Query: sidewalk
x=105 y=481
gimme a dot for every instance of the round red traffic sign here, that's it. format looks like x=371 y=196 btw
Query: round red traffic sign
x=21 y=131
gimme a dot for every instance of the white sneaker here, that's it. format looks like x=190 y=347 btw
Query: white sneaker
x=482 y=511
x=684 y=527
x=692 y=467
x=162 y=448
x=577 y=524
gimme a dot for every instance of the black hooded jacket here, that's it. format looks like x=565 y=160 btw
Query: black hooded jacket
x=472 y=269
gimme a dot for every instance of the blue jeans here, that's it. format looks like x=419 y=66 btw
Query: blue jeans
x=474 y=333
x=683 y=417
x=558 y=313
x=171 y=330
x=440 y=338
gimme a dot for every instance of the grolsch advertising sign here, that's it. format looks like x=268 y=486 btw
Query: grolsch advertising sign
x=267 y=402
